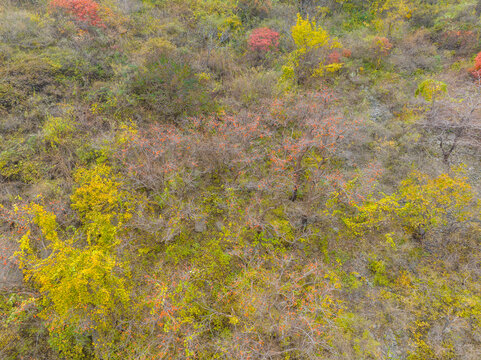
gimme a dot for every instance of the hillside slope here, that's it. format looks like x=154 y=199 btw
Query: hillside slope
x=240 y=179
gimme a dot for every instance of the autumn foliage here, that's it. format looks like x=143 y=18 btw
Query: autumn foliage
x=240 y=179
x=463 y=42
x=85 y=11
x=334 y=57
x=476 y=70
x=263 y=40
x=381 y=45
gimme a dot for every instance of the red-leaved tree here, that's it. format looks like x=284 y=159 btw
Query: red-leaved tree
x=85 y=11
x=263 y=40
x=308 y=142
x=208 y=145
x=283 y=151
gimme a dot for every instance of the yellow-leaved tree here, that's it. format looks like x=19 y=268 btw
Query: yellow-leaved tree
x=309 y=59
x=84 y=286
x=421 y=205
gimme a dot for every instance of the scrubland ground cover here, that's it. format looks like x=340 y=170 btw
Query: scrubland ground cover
x=240 y=179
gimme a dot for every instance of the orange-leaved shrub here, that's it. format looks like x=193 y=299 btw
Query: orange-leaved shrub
x=334 y=57
x=381 y=45
x=476 y=70
x=346 y=53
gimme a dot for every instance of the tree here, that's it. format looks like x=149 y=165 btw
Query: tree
x=170 y=88
x=430 y=90
x=393 y=12
x=263 y=40
x=381 y=47
x=421 y=205
x=82 y=282
x=84 y=11
x=253 y=8
x=309 y=141
x=313 y=45
x=455 y=122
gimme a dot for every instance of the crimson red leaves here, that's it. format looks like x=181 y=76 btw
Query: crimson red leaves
x=263 y=40
x=86 y=11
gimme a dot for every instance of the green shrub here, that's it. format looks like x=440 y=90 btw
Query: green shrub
x=170 y=89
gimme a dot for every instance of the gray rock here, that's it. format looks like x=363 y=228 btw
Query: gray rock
x=10 y=275
x=392 y=348
x=219 y=225
x=200 y=226
x=251 y=186
x=379 y=112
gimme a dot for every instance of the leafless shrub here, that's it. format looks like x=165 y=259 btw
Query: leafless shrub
x=455 y=122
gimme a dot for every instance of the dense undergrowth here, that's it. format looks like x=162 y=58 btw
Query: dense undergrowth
x=240 y=179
